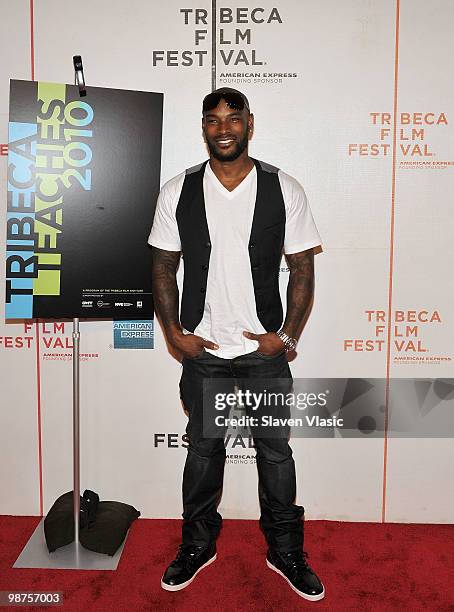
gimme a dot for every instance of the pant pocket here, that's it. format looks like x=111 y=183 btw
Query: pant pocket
x=262 y=356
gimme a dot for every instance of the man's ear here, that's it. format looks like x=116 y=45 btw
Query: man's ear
x=203 y=128
x=250 y=122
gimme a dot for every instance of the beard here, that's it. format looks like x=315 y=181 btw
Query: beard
x=231 y=155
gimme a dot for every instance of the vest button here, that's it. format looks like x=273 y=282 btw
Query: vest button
x=208 y=244
x=200 y=310
x=252 y=245
x=202 y=290
x=255 y=268
x=260 y=312
x=204 y=267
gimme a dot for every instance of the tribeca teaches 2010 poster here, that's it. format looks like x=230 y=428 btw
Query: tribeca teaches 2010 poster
x=83 y=178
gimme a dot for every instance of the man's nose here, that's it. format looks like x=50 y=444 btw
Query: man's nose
x=222 y=126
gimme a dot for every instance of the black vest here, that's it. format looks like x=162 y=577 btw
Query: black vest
x=265 y=246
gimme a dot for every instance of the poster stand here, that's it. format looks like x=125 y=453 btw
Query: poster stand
x=35 y=554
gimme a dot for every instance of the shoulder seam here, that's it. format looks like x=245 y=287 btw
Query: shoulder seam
x=268 y=167
x=194 y=168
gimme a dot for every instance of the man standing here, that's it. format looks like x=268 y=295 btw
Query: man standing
x=231 y=218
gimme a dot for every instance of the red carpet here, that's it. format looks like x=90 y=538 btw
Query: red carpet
x=364 y=566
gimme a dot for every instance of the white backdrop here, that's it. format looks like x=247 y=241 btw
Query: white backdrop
x=385 y=221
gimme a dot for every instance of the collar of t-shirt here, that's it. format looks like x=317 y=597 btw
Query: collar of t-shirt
x=251 y=176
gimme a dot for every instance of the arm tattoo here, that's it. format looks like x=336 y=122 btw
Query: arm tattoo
x=300 y=291
x=165 y=288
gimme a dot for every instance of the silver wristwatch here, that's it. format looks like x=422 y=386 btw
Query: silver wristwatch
x=289 y=343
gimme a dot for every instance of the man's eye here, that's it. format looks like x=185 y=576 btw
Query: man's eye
x=235 y=119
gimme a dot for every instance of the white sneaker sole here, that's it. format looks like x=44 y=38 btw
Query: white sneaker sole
x=300 y=593
x=183 y=585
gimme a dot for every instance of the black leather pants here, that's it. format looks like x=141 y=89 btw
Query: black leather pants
x=280 y=519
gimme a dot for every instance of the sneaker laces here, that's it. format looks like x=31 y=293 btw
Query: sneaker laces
x=296 y=561
x=187 y=554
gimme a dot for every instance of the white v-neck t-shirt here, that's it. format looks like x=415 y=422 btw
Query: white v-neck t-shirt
x=230 y=305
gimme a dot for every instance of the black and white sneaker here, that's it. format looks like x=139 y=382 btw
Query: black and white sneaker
x=294 y=568
x=187 y=564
